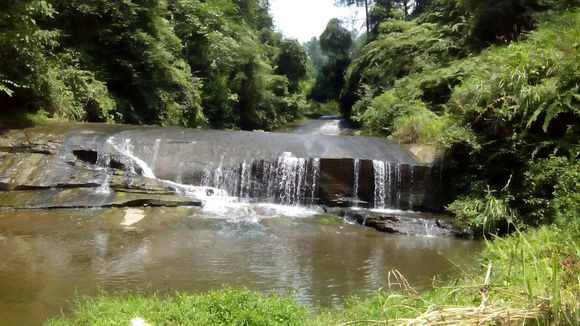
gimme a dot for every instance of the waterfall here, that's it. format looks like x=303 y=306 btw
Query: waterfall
x=355 y=185
x=155 y=154
x=379 y=176
x=178 y=178
x=286 y=180
x=397 y=181
x=315 y=173
x=336 y=172
x=104 y=162
x=245 y=180
x=387 y=183
x=127 y=150
x=428 y=227
x=411 y=186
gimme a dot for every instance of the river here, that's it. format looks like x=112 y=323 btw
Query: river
x=50 y=256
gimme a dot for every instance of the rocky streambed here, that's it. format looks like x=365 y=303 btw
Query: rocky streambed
x=66 y=166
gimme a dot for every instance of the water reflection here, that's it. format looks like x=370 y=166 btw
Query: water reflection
x=47 y=257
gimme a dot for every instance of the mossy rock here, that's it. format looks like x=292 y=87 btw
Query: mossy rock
x=329 y=219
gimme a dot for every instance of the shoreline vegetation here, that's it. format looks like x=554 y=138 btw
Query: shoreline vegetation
x=528 y=278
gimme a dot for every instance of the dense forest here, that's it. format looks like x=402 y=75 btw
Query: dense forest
x=192 y=63
x=493 y=85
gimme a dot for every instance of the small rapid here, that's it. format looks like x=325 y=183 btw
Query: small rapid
x=286 y=180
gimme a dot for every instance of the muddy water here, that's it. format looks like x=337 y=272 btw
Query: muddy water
x=48 y=257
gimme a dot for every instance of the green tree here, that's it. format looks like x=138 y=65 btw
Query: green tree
x=178 y=62
x=378 y=11
x=315 y=54
x=336 y=43
x=24 y=50
x=234 y=55
x=38 y=74
x=291 y=62
x=132 y=47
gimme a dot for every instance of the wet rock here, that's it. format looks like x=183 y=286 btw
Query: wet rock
x=38 y=171
x=407 y=222
x=114 y=158
x=88 y=198
x=427 y=154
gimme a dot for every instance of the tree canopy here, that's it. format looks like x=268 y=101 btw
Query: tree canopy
x=335 y=44
x=180 y=62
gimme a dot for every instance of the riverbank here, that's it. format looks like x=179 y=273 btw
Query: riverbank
x=530 y=276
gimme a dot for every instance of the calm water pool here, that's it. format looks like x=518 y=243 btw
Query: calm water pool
x=48 y=257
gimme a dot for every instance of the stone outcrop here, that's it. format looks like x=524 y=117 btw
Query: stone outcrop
x=37 y=171
x=406 y=222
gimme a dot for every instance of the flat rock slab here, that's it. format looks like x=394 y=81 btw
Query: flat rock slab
x=87 y=198
x=132 y=216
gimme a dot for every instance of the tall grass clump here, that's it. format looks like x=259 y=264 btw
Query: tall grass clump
x=539 y=270
x=421 y=126
x=484 y=212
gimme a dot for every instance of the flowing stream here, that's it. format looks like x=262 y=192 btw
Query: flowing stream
x=262 y=223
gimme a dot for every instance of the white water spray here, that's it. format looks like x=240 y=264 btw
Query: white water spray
x=127 y=151
x=356 y=172
x=387 y=182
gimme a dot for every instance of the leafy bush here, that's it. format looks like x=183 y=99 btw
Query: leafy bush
x=521 y=103
x=552 y=191
x=75 y=94
x=420 y=126
x=525 y=84
x=485 y=212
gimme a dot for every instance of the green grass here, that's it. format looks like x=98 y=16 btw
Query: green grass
x=224 y=307
x=527 y=278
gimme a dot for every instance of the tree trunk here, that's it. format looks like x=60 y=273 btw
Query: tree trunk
x=367 y=17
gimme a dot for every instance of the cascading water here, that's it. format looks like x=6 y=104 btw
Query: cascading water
x=387 y=184
x=104 y=162
x=356 y=177
x=411 y=187
x=126 y=149
x=286 y=180
x=155 y=153
x=315 y=174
